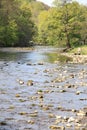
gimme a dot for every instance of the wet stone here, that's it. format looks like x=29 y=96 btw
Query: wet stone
x=22 y=100
x=55 y=127
x=29 y=64
x=33 y=115
x=30 y=83
x=46 y=70
x=69 y=125
x=41 y=96
x=78 y=92
x=58 y=117
x=71 y=119
x=51 y=116
x=73 y=110
x=30 y=121
x=22 y=113
x=11 y=107
x=3 y=123
x=62 y=91
x=59 y=107
x=21 y=82
x=65 y=118
x=40 y=63
x=81 y=113
x=45 y=108
x=18 y=62
x=17 y=95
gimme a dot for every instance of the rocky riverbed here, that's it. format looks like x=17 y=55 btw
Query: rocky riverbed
x=37 y=92
x=78 y=59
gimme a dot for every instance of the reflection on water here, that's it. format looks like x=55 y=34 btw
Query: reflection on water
x=39 y=54
x=32 y=56
x=21 y=56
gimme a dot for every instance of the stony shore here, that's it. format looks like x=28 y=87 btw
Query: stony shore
x=76 y=58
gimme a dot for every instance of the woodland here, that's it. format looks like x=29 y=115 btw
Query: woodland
x=27 y=22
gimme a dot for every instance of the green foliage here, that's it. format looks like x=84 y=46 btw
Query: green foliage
x=23 y=21
x=25 y=25
x=64 y=24
x=10 y=33
x=16 y=26
x=36 y=8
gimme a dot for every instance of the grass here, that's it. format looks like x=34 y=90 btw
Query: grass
x=83 y=50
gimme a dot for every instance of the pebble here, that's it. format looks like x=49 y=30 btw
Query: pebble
x=59 y=107
x=62 y=91
x=78 y=92
x=22 y=100
x=65 y=118
x=79 y=125
x=55 y=127
x=40 y=92
x=21 y=82
x=73 y=110
x=33 y=115
x=11 y=107
x=46 y=70
x=40 y=63
x=71 y=119
x=46 y=108
x=22 y=113
x=51 y=116
x=58 y=117
x=30 y=122
x=41 y=96
x=29 y=64
x=3 y=123
x=17 y=95
x=69 y=125
x=30 y=83
x=81 y=113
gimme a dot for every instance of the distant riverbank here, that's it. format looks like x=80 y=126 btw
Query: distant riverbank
x=76 y=58
x=78 y=54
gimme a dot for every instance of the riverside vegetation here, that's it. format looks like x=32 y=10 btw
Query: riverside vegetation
x=23 y=23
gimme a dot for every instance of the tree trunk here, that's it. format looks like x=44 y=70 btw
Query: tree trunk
x=68 y=41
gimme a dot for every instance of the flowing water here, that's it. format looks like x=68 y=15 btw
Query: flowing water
x=36 y=106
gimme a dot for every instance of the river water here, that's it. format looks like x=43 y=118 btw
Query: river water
x=58 y=89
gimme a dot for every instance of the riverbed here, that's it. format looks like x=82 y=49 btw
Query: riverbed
x=38 y=92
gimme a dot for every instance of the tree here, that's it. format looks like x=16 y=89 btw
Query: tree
x=42 y=27
x=16 y=26
x=72 y=20
x=25 y=25
x=8 y=26
x=83 y=31
x=64 y=6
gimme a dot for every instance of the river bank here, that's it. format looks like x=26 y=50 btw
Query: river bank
x=76 y=58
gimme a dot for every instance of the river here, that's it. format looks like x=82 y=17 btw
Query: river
x=39 y=93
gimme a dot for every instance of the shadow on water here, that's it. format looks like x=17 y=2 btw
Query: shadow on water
x=15 y=56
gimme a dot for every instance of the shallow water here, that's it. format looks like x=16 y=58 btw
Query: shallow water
x=19 y=103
